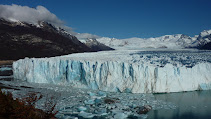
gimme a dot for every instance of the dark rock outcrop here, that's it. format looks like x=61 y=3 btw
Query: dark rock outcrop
x=144 y=109
x=206 y=46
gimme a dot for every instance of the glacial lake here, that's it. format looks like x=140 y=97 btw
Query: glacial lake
x=190 y=105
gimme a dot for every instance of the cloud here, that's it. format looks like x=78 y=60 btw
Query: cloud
x=86 y=35
x=33 y=15
x=29 y=15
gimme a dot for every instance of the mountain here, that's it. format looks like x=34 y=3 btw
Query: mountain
x=168 y=41
x=177 y=41
x=112 y=42
x=203 y=40
x=206 y=46
x=20 y=39
x=95 y=45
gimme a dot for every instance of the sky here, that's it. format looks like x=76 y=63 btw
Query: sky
x=128 y=18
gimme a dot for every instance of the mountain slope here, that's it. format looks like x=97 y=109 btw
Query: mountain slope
x=203 y=40
x=95 y=45
x=19 y=40
x=206 y=46
x=168 y=41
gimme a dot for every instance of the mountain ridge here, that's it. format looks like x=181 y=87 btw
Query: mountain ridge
x=20 y=39
x=178 y=41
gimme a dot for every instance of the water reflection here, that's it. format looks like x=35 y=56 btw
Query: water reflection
x=190 y=105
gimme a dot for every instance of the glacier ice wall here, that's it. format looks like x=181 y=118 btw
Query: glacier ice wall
x=114 y=76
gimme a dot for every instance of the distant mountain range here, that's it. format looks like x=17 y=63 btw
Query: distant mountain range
x=20 y=40
x=178 y=41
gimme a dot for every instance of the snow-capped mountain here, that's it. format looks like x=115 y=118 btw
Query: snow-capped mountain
x=95 y=45
x=202 y=39
x=20 y=39
x=112 y=42
x=177 y=41
x=52 y=28
x=89 y=42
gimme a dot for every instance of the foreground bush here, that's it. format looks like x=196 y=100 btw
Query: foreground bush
x=23 y=108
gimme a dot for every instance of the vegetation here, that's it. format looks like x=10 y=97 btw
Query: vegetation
x=25 y=108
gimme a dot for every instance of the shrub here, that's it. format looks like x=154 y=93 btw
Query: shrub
x=24 y=108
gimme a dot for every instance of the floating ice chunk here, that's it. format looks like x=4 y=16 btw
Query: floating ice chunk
x=97 y=101
x=5 y=68
x=101 y=112
x=89 y=101
x=70 y=117
x=60 y=116
x=81 y=108
x=91 y=94
x=120 y=115
x=102 y=94
x=86 y=115
x=112 y=107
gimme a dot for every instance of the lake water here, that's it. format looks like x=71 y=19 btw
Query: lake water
x=190 y=105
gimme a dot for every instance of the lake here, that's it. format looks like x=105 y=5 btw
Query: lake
x=190 y=105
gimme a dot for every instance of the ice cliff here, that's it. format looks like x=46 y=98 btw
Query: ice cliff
x=104 y=73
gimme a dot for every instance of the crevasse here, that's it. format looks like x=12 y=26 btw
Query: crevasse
x=114 y=76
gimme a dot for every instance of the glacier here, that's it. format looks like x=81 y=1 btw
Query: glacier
x=116 y=71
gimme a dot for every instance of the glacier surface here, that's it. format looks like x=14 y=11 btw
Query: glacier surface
x=119 y=71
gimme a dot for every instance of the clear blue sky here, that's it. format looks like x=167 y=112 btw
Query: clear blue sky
x=129 y=18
